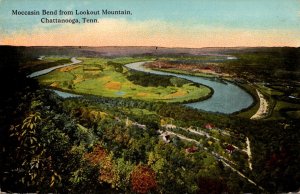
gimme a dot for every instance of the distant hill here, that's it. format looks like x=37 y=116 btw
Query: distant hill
x=113 y=51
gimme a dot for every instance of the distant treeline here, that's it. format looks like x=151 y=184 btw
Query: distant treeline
x=268 y=64
x=152 y=80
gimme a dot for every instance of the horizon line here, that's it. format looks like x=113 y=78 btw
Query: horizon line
x=153 y=46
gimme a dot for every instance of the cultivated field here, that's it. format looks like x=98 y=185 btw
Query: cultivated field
x=108 y=78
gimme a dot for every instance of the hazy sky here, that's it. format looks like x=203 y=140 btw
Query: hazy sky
x=170 y=23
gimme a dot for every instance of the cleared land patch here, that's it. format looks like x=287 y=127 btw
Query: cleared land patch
x=109 y=78
x=69 y=68
x=113 y=85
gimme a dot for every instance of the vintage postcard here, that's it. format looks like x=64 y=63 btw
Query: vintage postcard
x=140 y=96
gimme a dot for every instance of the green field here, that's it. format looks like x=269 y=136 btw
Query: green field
x=108 y=77
x=178 y=71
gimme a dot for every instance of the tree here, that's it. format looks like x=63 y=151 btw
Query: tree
x=143 y=179
x=211 y=185
x=100 y=157
x=124 y=169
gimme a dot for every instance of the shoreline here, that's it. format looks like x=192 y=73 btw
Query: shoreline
x=79 y=95
x=262 y=111
x=184 y=102
x=221 y=80
x=48 y=70
x=76 y=61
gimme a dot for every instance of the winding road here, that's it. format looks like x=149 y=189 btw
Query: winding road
x=263 y=107
x=224 y=160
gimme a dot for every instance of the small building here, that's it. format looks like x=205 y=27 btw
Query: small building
x=117 y=119
x=191 y=149
x=170 y=126
x=230 y=149
x=140 y=126
x=166 y=137
x=209 y=126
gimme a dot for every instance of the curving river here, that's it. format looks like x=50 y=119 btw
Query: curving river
x=48 y=70
x=227 y=98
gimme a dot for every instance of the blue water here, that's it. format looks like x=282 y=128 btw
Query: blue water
x=227 y=98
x=65 y=94
x=120 y=93
x=48 y=70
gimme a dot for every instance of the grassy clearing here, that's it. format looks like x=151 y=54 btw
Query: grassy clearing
x=269 y=90
x=36 y=65
x=285 y=105
x=120 y=60
x=294 y=114
x=55 y=58
x=276 y=106
x=139 y=111
x=186 y=73
x=251 y=111
x=108 y=77
x=69 y=68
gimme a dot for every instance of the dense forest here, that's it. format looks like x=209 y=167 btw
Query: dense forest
x=95 y=144
x=280 y=64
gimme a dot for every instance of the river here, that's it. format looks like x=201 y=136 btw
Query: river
x=227 y=98
x=48 y=70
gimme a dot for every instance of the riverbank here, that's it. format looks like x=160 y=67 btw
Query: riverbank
x=209 y=95
x=48 y=70
x=263 y=107
x=216 y=96
x=102 y=78
x=228 y=98
x=246 y=112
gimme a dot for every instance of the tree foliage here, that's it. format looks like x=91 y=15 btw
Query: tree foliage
x=143 y=179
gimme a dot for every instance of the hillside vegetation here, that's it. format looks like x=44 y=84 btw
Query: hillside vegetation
x=97 y=144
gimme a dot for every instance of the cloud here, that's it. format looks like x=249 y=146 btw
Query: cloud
x=120 y=32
